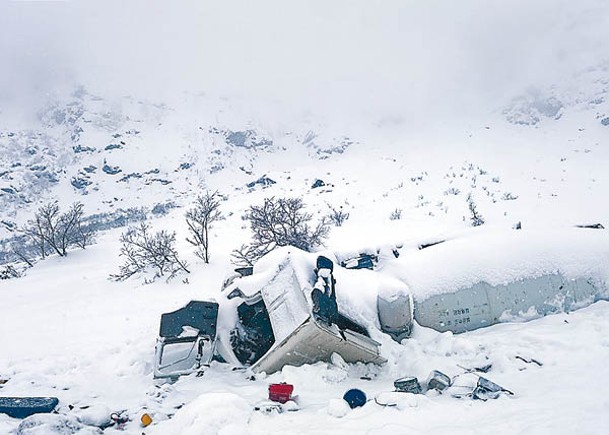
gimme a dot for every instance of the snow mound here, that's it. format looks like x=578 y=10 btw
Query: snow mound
x=499 y=257
x=212 y=413
x=54 y=424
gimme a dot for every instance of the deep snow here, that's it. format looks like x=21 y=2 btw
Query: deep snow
x=395 y=106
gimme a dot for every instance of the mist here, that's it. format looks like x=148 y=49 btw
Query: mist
x=399 y=59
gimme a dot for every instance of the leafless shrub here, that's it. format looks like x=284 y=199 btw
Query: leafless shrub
x=338 y=216
x=199 y=220
x=280 y=222
x=396 y=214
x=52 y=231
x=147 y=252
x=475 y=218
x=9 y=272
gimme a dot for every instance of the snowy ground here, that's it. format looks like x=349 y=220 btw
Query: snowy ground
x=98 y=350
x=71 y=333
x=413 y=113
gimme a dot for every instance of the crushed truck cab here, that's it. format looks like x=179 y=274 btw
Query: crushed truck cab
x=285 y=309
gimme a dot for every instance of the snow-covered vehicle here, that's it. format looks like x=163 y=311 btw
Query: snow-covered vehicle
x=280 y=321
x=295 y=307
x=490 y=276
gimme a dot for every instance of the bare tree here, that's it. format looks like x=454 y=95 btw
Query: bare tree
x=143 y=251
x=280 y=222
x=82 y=234
x=52 y=231
x=21 y=253
x=199 y=220
x=246 y=255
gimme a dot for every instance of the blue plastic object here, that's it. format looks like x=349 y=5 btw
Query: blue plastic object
x=355 y=398
x=21 y=407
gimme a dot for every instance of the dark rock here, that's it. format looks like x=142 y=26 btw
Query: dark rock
x=318 y=183
x=163 y=209
x=263 y=181
x=129 y=176
x=82 y=149
x=111 y=170
x=246 y=139
x=80 y=182
x=160 y=180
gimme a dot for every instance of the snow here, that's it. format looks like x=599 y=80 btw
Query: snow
x=412 y=109
x=501 y=256
x=98 y=351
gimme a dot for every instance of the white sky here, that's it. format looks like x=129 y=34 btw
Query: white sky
x=399 y=57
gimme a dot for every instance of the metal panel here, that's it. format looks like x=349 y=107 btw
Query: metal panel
x=312 y=342
x=395 y=316
x=285 y=303
x=483 y=305
x=461 y=311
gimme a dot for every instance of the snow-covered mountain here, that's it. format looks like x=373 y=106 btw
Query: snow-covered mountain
x=395 y=112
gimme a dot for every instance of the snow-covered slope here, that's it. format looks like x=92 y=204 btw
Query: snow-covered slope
x=404 y=110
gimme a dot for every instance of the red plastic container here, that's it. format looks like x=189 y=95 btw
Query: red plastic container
x=280 y=392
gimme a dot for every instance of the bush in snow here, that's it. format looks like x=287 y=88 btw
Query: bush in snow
x=8 y=272
x=280 y=222
x=396 y=214
x=52 y=231
x=509 y=196
x=338 y=216
x=199 y=220
x=26 y=246
x=475 y=218
x=145 y=251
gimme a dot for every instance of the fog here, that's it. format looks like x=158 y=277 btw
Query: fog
x=394 y=58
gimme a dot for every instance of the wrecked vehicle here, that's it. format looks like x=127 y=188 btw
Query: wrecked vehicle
x=493 y=276
x=295 y=308
x=286 y=315
x=186 y=340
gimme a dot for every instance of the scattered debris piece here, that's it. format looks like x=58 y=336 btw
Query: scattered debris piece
x=22 y=407
x=387 y=398
x=430 y=244
x=146 y=420
x=267 y=407
x=186 y=340
x=120 y=419
x=486 y=389
x=529 y=361
x=438 y=381
x=483 y=369
x=364 y=261
x=395 y=312
x=407 y=385
x=355 y=398
x=596 y=226
x=280 y=392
